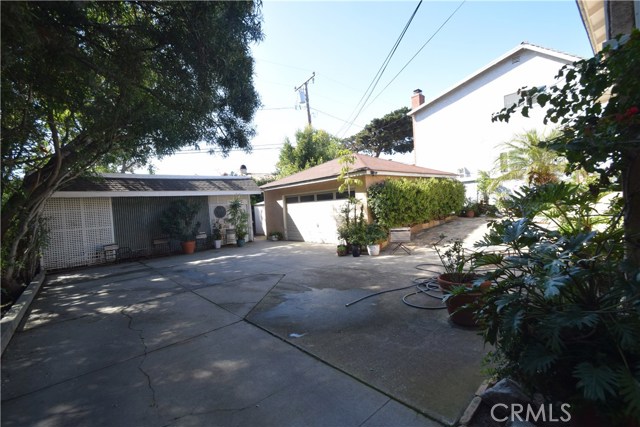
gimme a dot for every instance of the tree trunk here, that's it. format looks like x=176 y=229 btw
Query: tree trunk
x=631 y=194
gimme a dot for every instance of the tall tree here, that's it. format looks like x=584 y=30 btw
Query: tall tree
x=313 y=147
x=85 y=83
x=392 y=133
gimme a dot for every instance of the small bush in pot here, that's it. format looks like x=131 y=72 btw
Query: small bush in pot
x=216 y=233
x=459 y=267
x=275 y=236
x=374 y=234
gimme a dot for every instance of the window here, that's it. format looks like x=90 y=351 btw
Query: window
x=291 y=199
x=308 y=198
x=345 y=195
x=324 y=196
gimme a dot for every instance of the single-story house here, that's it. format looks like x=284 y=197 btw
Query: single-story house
x=306 y=206
x=453 y=130
x=91 y=220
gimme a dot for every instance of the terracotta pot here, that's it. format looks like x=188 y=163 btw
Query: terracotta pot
x=448 y=281
x=463 y=316
x=470 y=214
x=188 y=247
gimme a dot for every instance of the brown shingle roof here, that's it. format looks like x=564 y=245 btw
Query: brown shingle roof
x=127 y=183
x=331 y=169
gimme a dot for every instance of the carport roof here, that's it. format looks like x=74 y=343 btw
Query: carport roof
x=363 y=164
x=129 y=185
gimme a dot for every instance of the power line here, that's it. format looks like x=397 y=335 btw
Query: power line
x=419 y=50
x=381 y=71
x=335 y=117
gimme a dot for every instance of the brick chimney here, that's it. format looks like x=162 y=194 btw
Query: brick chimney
x=417 y=99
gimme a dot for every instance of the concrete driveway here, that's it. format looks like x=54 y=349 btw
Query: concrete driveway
x=252 y=336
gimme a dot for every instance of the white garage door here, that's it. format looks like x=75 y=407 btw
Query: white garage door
x=314 y=221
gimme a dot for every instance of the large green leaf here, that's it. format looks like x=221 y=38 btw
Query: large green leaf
x=596 y=382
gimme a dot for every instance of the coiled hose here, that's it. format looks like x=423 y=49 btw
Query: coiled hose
x=424 y=286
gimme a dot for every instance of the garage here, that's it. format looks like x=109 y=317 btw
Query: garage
x=313 y=217
x=306 y=206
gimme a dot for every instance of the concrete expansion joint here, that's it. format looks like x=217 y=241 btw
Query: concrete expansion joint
x=144 y=357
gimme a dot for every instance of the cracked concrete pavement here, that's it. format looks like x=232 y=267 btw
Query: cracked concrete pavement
x=258 y=335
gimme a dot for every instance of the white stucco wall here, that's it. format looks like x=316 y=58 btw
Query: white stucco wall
x=455 y=130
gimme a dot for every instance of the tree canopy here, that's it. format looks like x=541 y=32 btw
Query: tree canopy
x=392 y=133
x=313 y=147
x=600 y=137
x=90 y=83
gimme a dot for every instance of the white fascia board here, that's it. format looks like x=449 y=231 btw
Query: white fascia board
x=415 y=175
x=83 y=194
x=316 y=181
x=559 y=55
x=298 y=184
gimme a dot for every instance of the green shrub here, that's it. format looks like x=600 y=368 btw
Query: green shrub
x=563 y=314
x=404 y=202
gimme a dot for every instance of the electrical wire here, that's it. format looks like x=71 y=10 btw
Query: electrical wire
x=419 y=50
x=367 y=94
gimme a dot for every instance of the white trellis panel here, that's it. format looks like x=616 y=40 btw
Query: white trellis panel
x=78 y=230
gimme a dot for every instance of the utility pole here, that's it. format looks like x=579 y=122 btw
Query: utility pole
x=306 y=95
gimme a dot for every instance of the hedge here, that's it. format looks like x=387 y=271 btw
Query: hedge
x=404 y=202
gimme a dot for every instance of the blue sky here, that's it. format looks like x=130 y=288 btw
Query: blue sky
x=345 y=43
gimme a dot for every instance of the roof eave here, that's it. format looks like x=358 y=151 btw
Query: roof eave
x=487 y=67
x=86 y=194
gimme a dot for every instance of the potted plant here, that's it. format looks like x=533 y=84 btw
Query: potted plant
x=459 y=268
x=357 y=237
x=462 y=302
x=275 y=236
x=179 y=222
x=461 y=285
x=341 y=250
x=238 y=218
x=374 y=234
x=470 y=209
x=216 y=233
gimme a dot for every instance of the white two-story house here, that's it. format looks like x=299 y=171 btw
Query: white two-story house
x=454 y=132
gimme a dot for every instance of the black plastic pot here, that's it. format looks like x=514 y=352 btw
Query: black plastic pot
x=355 y=250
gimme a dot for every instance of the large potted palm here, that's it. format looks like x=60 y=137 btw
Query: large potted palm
x=179 y=222
x=238 y=218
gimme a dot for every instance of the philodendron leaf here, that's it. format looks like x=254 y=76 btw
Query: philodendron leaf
x=596 y=382
x=630 y=390
x=536 y=358
x=554 y=284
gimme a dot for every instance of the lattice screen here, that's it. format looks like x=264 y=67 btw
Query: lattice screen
x=79 y=228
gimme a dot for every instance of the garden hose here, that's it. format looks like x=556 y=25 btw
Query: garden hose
x=424 y=285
